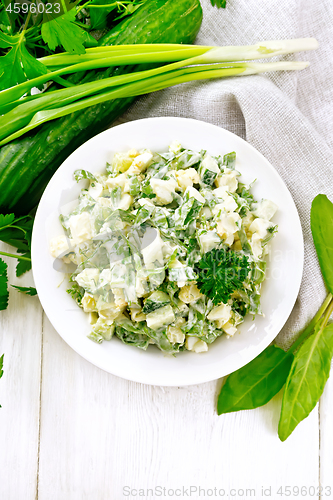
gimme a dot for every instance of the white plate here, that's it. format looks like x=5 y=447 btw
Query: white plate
x=224 y=356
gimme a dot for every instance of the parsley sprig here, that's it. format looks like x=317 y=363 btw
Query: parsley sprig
x=221 y=272
x=220 y=4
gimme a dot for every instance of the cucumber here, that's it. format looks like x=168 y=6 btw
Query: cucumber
x=28 y=163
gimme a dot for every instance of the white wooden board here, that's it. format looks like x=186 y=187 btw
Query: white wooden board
x=20 y=340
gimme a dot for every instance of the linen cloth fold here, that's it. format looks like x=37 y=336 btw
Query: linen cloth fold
x=287 y=116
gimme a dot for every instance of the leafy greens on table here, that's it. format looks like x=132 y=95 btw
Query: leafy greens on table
x=305 y=367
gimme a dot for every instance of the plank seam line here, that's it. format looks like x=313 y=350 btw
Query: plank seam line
x=40 y=403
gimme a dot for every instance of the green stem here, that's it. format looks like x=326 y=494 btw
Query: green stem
x=306 y=332
x=327 y=315
x=19 y=257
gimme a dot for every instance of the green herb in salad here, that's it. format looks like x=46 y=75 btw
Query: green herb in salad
x=175 y=259
x=305 y=367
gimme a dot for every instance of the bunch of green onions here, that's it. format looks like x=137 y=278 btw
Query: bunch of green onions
x=22 y=112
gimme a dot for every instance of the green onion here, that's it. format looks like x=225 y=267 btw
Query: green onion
x=19 y=116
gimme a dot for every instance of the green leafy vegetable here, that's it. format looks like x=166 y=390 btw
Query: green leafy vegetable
x=18 y=65
x=62 y=31
x=1 y=367
x=257 y=382
x=27 y=290
x=24 y=264
x=23 y=115
x=220 y=4
x=307 y=378
x=3 y=286
x=220 y=273
x=307 y=371
x=76 y=292
x=100 y=9
x=7 y=41
x=322 y=233
x=16 y=232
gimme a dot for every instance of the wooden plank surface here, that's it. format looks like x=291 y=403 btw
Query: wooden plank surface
x=20 y=340
x=101 y=434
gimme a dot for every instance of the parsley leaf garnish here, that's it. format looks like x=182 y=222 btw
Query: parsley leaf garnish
x=62 y=31
x=220 y=273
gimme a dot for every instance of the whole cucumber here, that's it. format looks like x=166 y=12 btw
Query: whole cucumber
x=28 y=163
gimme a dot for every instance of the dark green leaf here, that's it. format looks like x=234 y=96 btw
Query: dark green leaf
x=229 y=160
x=1 y=367
x=62 y=31
x=220 y=4
x=256 y=383
x=307 y=378
x=3 y=286
x=322 y=233
x=18 y=65
x=27 y=290
x=23 y=265
x=98 y=15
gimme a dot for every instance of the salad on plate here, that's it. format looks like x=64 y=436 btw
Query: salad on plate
x=166 y=248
